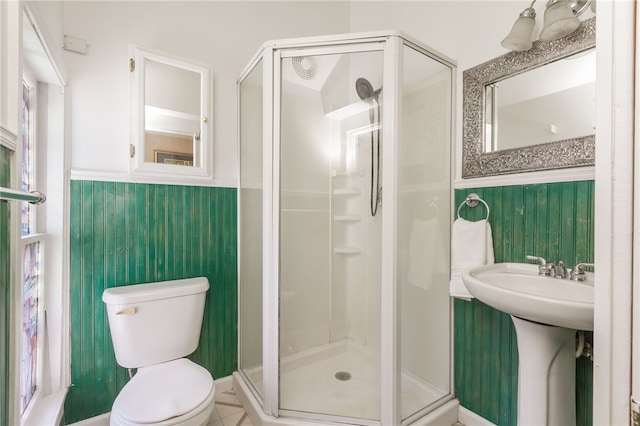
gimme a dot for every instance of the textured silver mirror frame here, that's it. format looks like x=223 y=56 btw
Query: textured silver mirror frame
x=554 y=155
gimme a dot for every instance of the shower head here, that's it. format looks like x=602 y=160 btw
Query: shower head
x=365 y=89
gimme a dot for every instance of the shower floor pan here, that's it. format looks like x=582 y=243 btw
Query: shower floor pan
x=313 y=381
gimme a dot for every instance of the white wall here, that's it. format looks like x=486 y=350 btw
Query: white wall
x=224 y=35
x=468 y=32
x=10 y=29
x=49 y=14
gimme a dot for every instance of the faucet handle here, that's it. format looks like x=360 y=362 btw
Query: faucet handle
x=577 y=273
x=544 y=267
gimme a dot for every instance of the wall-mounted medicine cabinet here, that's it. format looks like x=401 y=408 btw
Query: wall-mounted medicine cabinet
x=169 y=117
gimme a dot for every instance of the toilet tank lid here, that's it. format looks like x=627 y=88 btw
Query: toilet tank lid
x=154 y=291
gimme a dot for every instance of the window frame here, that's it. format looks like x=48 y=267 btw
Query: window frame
x=34 y=236
x=51 y=222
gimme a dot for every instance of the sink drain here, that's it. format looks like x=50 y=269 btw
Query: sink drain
x=343 y=376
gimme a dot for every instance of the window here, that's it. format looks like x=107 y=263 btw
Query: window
x=32 y=245
x=27 y=176
x=40 y=374
x=30 y=327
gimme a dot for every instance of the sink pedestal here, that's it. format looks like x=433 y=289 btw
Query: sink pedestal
x=546 y=374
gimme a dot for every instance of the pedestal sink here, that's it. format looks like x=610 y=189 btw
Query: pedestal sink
x=546 y=313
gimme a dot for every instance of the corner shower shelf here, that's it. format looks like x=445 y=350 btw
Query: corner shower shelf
x=347 y=218
x=347 y=250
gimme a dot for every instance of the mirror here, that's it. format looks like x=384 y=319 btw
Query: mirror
x=509 y=127
x=170 y=110
x=520 y=112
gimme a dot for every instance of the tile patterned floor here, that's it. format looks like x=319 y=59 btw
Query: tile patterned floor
x=229 y=411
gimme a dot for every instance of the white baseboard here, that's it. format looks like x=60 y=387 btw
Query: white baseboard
x=446 y=414
x=224 y=384
x=101 y=420
x=469 y=418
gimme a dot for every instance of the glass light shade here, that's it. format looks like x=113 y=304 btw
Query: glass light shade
x=559 y=21
x=519 y=38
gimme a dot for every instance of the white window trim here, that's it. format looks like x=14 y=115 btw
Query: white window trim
x=47 y=404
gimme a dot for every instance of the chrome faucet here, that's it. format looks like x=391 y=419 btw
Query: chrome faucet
x=559 y=269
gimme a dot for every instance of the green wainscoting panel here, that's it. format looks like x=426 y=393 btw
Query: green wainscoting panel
x=5 y=274
x=554 y=221
x=128 y=233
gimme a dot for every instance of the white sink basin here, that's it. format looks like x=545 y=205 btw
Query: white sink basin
x=517 y=289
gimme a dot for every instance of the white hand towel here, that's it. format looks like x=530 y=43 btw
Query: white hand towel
x=471 y=246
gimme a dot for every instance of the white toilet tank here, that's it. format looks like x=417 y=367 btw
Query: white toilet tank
x=155 y=322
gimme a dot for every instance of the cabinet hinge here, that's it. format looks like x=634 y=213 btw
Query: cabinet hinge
x=132 y=64
x=132 y=151
x=635 y=413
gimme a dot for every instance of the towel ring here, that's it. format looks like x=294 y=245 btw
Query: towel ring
x=472 y=200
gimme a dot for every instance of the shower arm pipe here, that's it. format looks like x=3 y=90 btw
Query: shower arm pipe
x=33 y=197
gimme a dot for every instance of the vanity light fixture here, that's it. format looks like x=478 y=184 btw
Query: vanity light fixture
x=520 y=37
x=560 y=19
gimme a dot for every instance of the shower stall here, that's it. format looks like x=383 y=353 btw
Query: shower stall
x=344 y=208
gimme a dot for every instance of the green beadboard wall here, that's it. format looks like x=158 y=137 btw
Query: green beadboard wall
x=130 y=233
x=554 y=221
x=5 y=223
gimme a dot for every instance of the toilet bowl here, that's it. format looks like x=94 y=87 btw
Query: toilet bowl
x=153 y=327
x=178 y=392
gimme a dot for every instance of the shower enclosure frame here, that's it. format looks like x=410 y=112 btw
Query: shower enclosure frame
x=390 y=43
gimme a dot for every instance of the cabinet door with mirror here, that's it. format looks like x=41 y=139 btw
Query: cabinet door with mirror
x=169 y=117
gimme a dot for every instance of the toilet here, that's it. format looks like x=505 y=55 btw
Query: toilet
x=153 y=327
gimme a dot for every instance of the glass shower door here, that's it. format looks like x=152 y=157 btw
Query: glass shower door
x=330 y=254
x=424 y=199
x=250 y=222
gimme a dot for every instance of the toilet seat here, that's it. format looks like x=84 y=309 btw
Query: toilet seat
x=166 y=391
